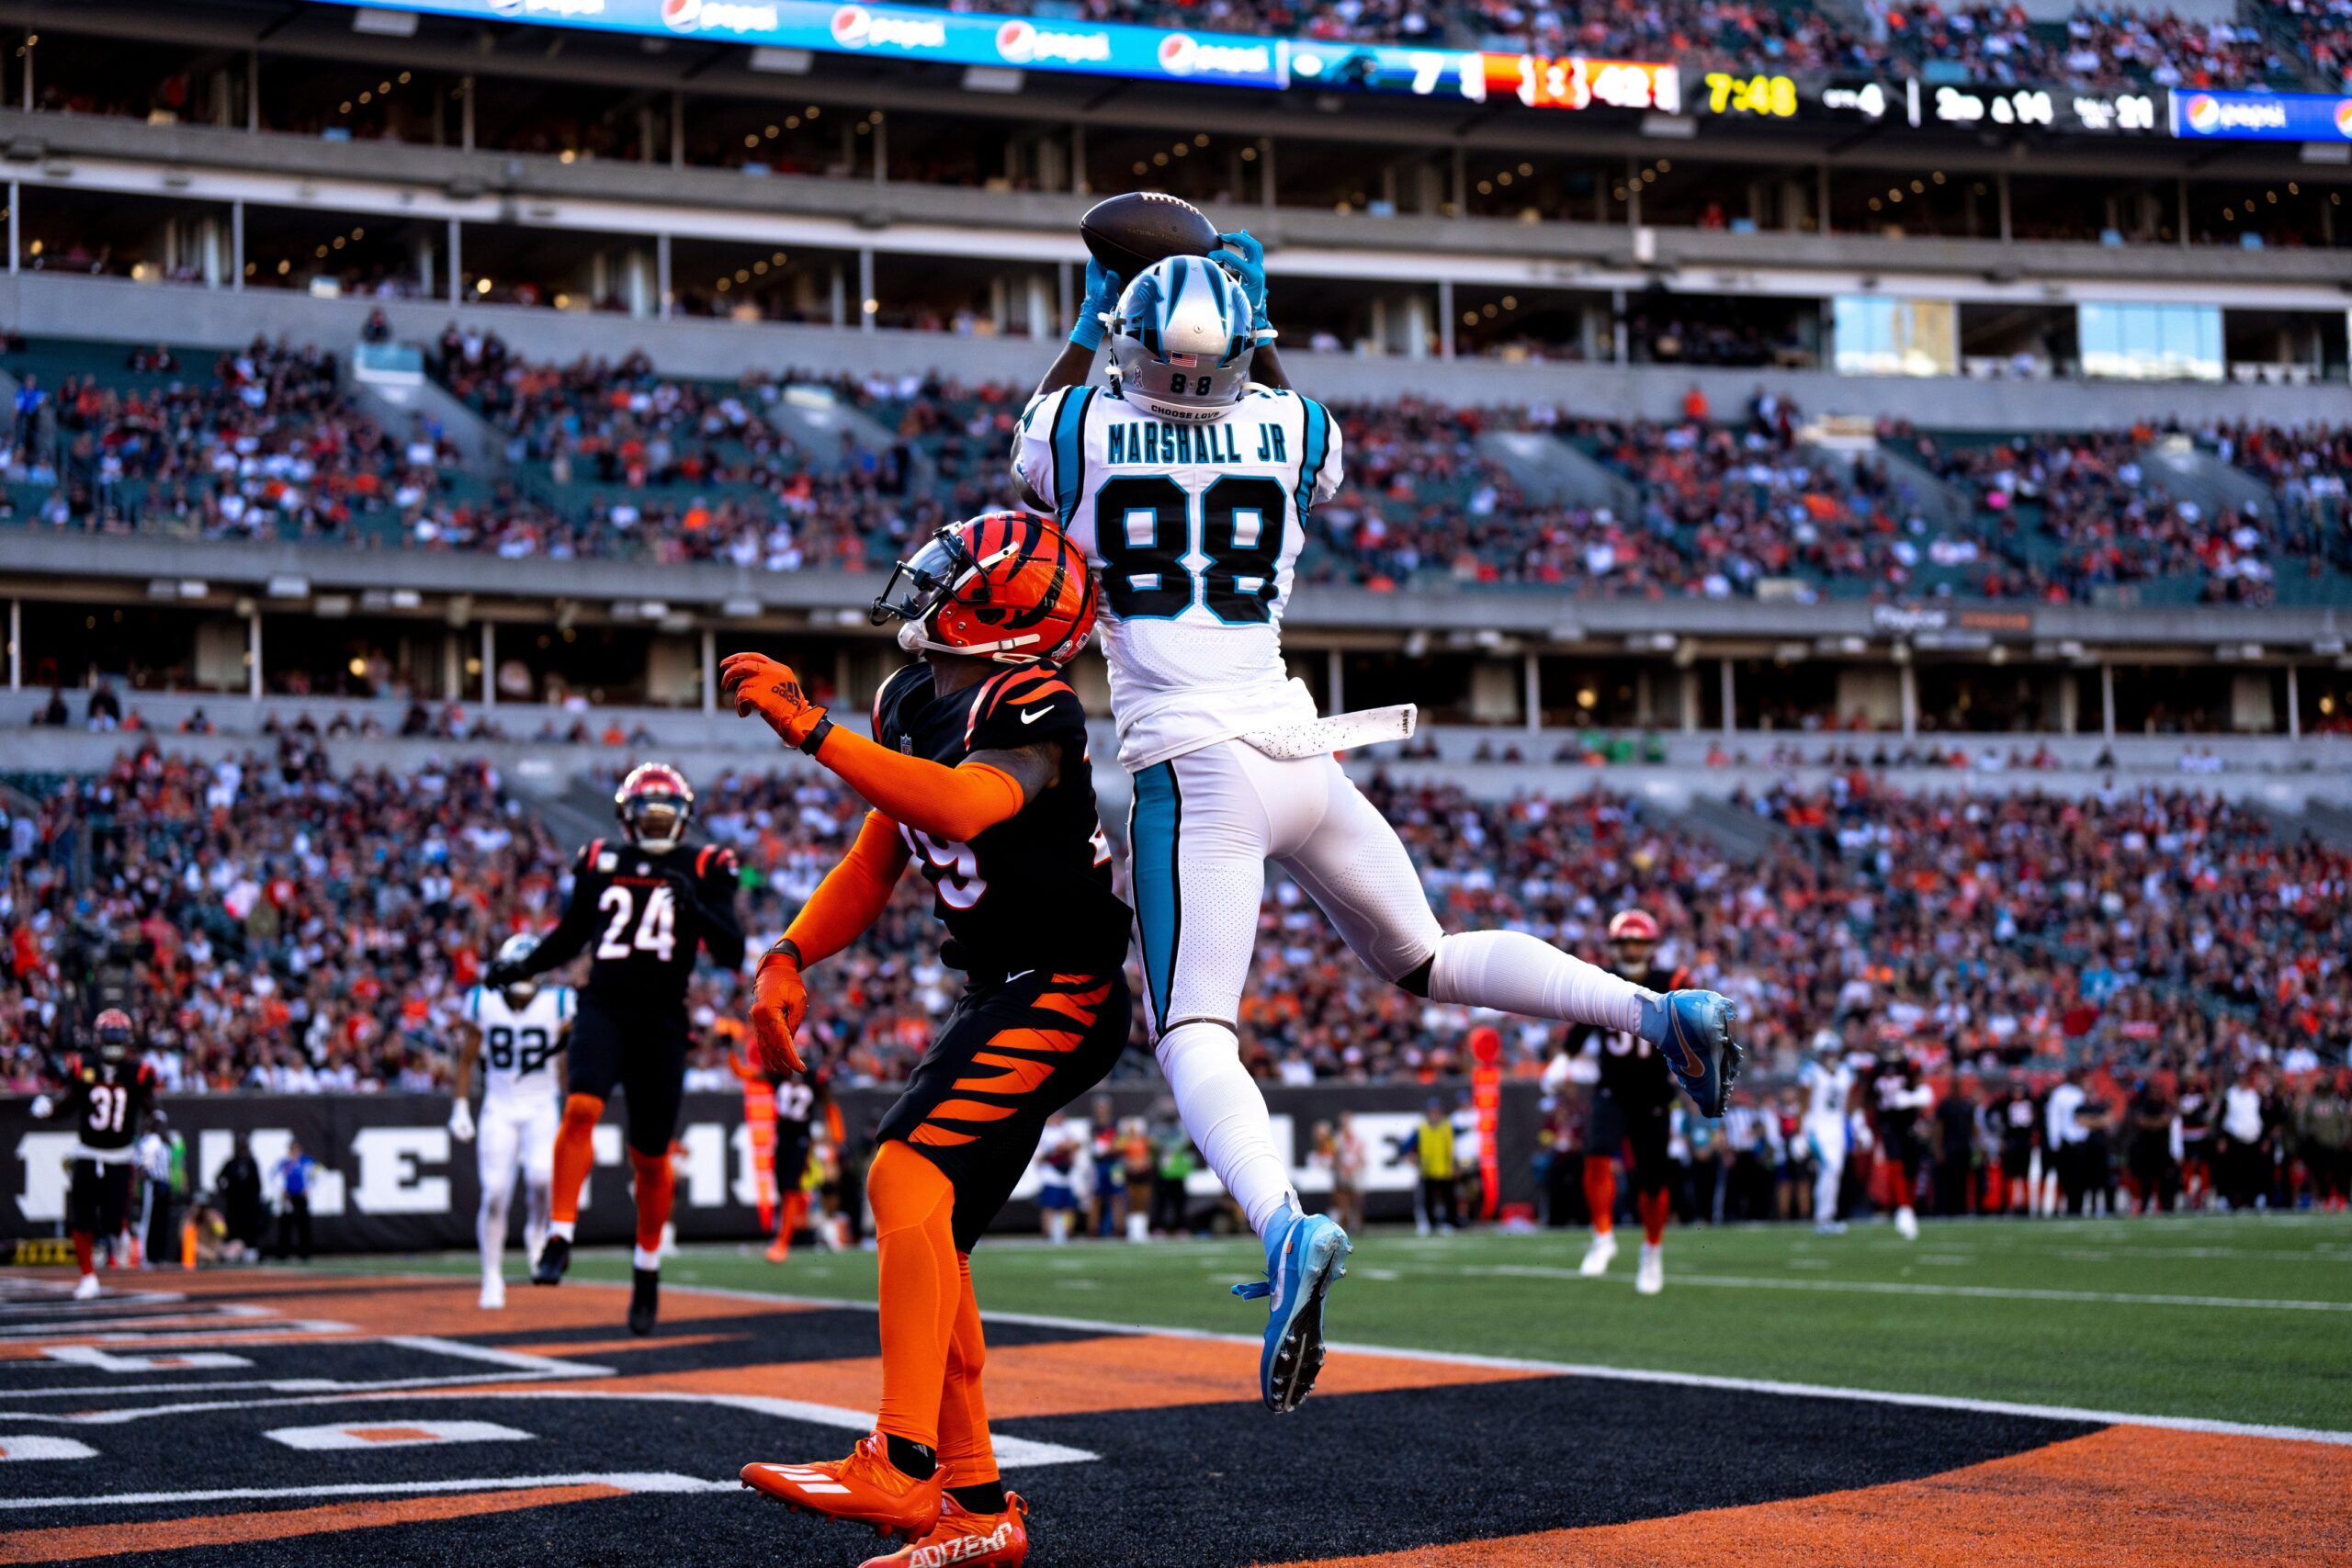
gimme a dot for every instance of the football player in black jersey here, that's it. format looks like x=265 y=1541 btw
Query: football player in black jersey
x=1633 y=1108
x=107 y=1098
x=979 y=774
x=649 y=901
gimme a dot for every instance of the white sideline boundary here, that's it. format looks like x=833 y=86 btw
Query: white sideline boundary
x=1662 y=1376
x=1644 y=1375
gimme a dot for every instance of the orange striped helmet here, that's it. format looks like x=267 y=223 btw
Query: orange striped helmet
x=1004 y=586
x=1633 y=925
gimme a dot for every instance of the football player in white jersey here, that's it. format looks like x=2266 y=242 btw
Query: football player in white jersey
x=1827 y=1077
x=517 y=1031
x=1189 y=487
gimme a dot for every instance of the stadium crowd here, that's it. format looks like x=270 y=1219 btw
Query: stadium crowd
x=615 y=459
x=2106 y=47
x=289 y=929
x=2095 y=46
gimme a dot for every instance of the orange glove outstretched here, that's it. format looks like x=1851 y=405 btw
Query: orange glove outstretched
x=769 y=688
x=779 y=1003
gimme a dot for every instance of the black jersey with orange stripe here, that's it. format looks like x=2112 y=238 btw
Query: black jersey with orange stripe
x=1034 y=890
x=642 y=915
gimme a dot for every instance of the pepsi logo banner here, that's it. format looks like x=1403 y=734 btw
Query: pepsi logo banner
x=2262 y=116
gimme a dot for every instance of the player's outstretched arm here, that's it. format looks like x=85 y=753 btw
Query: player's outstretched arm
x=560 y=945
x=711 y=899
x=952 y=804
x=1076 y=361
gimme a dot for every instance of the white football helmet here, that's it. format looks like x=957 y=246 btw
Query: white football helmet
x=1182 y=341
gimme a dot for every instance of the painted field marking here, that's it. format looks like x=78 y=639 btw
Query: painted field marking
x=363 y=1435
x=92 y=1358
x=657 y=1480
x=1894 y=1288
x=17 y=1447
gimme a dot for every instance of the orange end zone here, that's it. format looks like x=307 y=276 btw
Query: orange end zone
x=72 y=1542
x=2125 y=1496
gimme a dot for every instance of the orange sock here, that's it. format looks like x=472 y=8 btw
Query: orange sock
x=1653 y=1208
x=85 y=1252
x=655 y=1181
x=921 y=1288
x=1601 y=1192
x=796 y=1214
x=966 y=1455
x=575 y=1151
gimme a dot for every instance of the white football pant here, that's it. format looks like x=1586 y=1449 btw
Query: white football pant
x=1200 y=830
x=517 y=1135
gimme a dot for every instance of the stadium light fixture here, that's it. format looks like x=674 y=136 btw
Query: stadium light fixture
x=777 y=62
x=992 y=79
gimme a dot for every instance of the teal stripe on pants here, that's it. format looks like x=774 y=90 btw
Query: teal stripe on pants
x=1152 y=830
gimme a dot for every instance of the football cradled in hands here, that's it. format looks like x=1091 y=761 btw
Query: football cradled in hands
x=1127 y=234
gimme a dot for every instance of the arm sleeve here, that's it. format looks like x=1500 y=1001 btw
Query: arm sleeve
x=1032 y=443
x=570 y=933
x=1322 y=436
x=951 y=804
x=716 y=878
x=853 y=893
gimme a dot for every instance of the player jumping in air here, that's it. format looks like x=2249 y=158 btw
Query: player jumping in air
x=107 y=1098
x=649 y=903
x=977 y=772
x=1632 y=1110
x=517 y=1035
x=1189 y=488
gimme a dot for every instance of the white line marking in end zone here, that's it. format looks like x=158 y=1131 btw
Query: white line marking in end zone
x=1685 y=1380
x=1896 y=1288
x=624 y=1480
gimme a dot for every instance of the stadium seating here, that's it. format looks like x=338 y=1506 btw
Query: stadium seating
x=315 y=930
x=614 y=459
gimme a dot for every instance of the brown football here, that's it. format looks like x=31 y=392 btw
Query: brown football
x=1127 y=234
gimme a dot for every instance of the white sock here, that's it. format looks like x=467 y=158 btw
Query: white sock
x=1226 y=1115
x=645 y=1259
x=1516 y=973
x=535 y=1199
x=562 y=1227
x=1824 y=1192
x=490 y=1230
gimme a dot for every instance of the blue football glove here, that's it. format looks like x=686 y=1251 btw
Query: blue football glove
x=1248 y=269
x=1103 y=287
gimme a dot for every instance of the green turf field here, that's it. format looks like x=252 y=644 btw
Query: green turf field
x=2241 y=1319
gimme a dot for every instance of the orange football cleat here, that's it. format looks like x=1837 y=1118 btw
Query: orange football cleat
x=781 y=1251
x=865 y=1489
x=966 y=1539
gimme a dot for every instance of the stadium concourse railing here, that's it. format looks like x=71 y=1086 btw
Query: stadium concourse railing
x=288 y=577
x=394 y=1180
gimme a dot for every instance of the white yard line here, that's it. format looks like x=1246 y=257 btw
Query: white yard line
x=625 y=1481
x=1897 y=1288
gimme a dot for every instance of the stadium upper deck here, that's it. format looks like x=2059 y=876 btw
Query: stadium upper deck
x=1915 y=209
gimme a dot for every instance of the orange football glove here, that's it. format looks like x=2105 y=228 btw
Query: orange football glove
x=779 y=1003
x=764 y=686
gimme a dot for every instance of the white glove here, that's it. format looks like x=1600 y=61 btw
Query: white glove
x=461 y=1121
x=44 y=1108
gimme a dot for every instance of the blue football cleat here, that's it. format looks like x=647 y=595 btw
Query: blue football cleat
x=1693 y=1033
x=1303 y=1254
